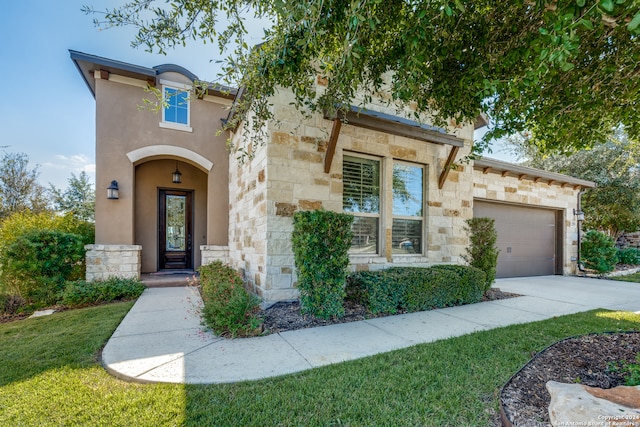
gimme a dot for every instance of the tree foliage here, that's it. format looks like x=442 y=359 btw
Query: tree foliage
x=614 y=205
x=19 y=187
x=78 y=199
x=598 y=252
x=565 y=70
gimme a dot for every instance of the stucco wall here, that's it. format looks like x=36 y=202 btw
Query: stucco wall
x=122 y=127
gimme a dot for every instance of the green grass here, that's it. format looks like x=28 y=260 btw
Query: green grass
x=50 y=376
x=635 y=277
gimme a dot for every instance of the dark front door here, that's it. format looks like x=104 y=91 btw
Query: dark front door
x=176 y=230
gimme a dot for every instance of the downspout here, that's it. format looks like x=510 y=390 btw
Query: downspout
x=579 y=225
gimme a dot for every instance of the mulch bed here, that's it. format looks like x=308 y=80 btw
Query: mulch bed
x=286 y=316
x=585 y=360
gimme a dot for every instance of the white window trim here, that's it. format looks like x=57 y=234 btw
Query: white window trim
x=175 y=126
x=381 y=214
x=416 y=218
x=172 y=125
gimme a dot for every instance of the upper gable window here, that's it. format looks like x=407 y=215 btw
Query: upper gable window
x=176 y=106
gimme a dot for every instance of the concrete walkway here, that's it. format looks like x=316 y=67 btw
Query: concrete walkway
x=162 y=340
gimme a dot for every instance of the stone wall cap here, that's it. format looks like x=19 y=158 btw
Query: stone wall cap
x=213 y=248
x=114 y=248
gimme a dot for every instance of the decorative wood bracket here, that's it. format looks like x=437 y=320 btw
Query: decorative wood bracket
x=447 y=166
x=331 y=147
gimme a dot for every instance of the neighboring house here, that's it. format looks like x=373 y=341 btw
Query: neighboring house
x=393 y=174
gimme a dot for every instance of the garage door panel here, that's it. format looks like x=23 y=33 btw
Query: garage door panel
x=526 y=238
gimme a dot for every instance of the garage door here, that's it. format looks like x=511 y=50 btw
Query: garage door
x=526 y=238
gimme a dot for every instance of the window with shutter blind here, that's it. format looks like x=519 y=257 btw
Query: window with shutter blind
x=361 y=198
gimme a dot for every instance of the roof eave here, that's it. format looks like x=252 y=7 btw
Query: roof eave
x=491 y=165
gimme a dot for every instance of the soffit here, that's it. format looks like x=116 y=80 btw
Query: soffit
x=487 y=165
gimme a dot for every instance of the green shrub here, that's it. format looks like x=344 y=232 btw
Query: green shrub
x=598 y=252
x=630 y=256
x=81 y=293
x=468 y=287
x=229 y=310
x=37 y=265
x=630 y=371
x=321 y=242
x=416 y=288
x=482 y=252
x=21 y=223
x=380 y=291
x=427 y=288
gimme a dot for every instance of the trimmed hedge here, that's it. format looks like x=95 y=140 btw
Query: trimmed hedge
x=81 y=293
x=416 y=288
x=229 y=310
x=321 y=242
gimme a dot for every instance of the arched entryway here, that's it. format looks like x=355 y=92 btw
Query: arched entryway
x=170 y=218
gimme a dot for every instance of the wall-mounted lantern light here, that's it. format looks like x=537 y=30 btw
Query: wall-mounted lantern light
x=112 y=190
x=176 y=176
x=579 y=215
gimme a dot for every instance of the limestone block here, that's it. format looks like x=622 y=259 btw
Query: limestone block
x=306 y=156
x=576 y=404
x=289 y=173
x=284 y=138
x=273 y=295
x=285 y=209
x=402 y=152
x=279 y=281
x=281 y=260
x=280 y=246
x=317 y=192
x=309 y=205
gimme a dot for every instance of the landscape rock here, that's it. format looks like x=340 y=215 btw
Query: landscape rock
x=577 y=404
x=41 y=313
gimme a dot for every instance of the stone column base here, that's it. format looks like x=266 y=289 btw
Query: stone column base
x=210 y=253
x=105 y=261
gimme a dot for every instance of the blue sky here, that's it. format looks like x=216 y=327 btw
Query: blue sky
x=48 y=112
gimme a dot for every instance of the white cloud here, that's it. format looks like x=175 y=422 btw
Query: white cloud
x=59 y=169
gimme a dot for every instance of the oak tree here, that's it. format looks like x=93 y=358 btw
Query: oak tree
x=565 y=70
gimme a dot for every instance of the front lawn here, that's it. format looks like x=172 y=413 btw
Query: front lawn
x=50 y=375
x=635 y=277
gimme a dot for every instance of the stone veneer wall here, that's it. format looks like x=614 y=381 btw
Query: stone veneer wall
x=105 y=261
x=508 y=189
x=248 y=215
x=210 y=253
x=287 y=174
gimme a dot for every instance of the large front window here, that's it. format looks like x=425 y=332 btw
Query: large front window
x=361 y=197
x=400 y=211
x=406 y=234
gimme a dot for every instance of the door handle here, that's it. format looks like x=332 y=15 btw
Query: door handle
x=189 y=242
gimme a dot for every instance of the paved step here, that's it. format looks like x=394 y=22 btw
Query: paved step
x=170 y=279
